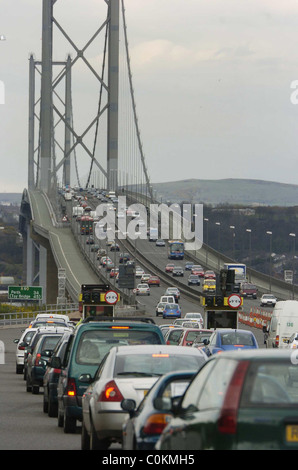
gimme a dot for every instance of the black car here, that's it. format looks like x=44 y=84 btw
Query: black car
x=145 y=424
x=124 y=257
x=177 y=271
x=38 y=360
x=51 y=376
x=193 y=280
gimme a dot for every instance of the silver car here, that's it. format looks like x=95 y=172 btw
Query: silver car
x=127 y=372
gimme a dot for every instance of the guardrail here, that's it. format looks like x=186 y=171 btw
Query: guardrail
x=24 y=318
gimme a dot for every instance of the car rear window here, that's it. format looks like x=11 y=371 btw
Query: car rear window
x=232 y=338
x=271 y=384
x=155 y=364
x=95 y=344
x=49 y=342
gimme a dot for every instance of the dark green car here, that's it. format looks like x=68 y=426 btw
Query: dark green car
x=86 y=349
x=238 y=400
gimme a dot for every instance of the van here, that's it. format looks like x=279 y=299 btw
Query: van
x=284 y=322
x=85 y=350
x=167 y=299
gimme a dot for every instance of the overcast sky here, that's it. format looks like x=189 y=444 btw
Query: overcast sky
x=212 y=81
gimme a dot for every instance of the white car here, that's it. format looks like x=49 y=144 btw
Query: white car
x=127 y=372
x=142 y=289
x=194 y=316
x=268 y=299
x=139 y=271
x=160 y=308
x=22 y=343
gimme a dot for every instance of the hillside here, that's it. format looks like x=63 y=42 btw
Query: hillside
x=229 y=191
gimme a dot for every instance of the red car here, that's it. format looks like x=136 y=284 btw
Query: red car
x=169 y=267
x=197 y=269
x=191 y=335
x=153 y=281
x=210 y=275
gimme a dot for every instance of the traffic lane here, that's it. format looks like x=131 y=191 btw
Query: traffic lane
x=23 y=424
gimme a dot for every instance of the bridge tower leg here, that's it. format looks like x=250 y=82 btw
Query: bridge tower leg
x=113 y=86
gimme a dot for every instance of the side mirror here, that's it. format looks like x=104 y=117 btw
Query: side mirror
x=85 y=378
x=206 y=342
x=56 y=362
x=47 y=352
x=129 y=406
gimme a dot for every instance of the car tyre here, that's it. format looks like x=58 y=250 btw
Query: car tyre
x=95 y=443
x=45 y=403
x=52 y=407
x=19 y=369
x=85 y=438
x=69 y=424
x=35 y=390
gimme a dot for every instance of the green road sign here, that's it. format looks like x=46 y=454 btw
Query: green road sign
x=24 y=293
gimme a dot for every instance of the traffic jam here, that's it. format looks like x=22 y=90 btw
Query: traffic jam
x=190 y=382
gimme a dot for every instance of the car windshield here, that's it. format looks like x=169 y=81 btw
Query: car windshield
x=155 y=364
x=235 y=337
x=49 y=342
x=94 y=345
x=170 y=306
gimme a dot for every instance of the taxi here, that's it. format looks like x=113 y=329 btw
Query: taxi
x=209 y=285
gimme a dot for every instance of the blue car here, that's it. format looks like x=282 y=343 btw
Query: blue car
x=142 y=429
x=227 y=339
x=171 y=311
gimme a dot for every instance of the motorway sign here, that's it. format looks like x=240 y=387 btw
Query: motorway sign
x=24 y=293
x=234 y=301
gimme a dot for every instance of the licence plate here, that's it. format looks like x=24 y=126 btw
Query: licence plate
x=292 y=433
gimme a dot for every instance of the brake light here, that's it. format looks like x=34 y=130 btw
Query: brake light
x=38 y=356
x=277 y=341
x=71 y=389
x=120 y=327
x=156 y=423
x=227 y=423
x=21 y=348
x=110 y=393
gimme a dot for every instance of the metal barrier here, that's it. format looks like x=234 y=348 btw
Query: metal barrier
x=24 y=318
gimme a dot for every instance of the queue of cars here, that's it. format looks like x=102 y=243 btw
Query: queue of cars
x=126 y=385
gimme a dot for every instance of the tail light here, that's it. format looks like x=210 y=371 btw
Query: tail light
x=37 y=359
x=277 y=341
x=110 y=393
x=156 y=423
x=227 y=423
x=21 y=348
x=71 y=389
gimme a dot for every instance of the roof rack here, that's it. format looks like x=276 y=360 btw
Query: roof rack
x=106 y=318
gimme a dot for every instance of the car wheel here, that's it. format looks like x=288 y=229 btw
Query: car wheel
x=85 y=438
x=19 y=369
x=35 y=389
x=95 y=443
x=69 y=424
x=60 y=417
x=28 y=385
x=45 y=403
x=52 y=408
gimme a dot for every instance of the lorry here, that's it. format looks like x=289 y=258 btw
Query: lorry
x=240 y=272
x=284 y=322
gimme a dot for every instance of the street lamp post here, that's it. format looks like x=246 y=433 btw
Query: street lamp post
x=233 y=240
x=218 y=247
x=270 y=234
x=248 y=230
x=207 y=240
x=293 y=235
